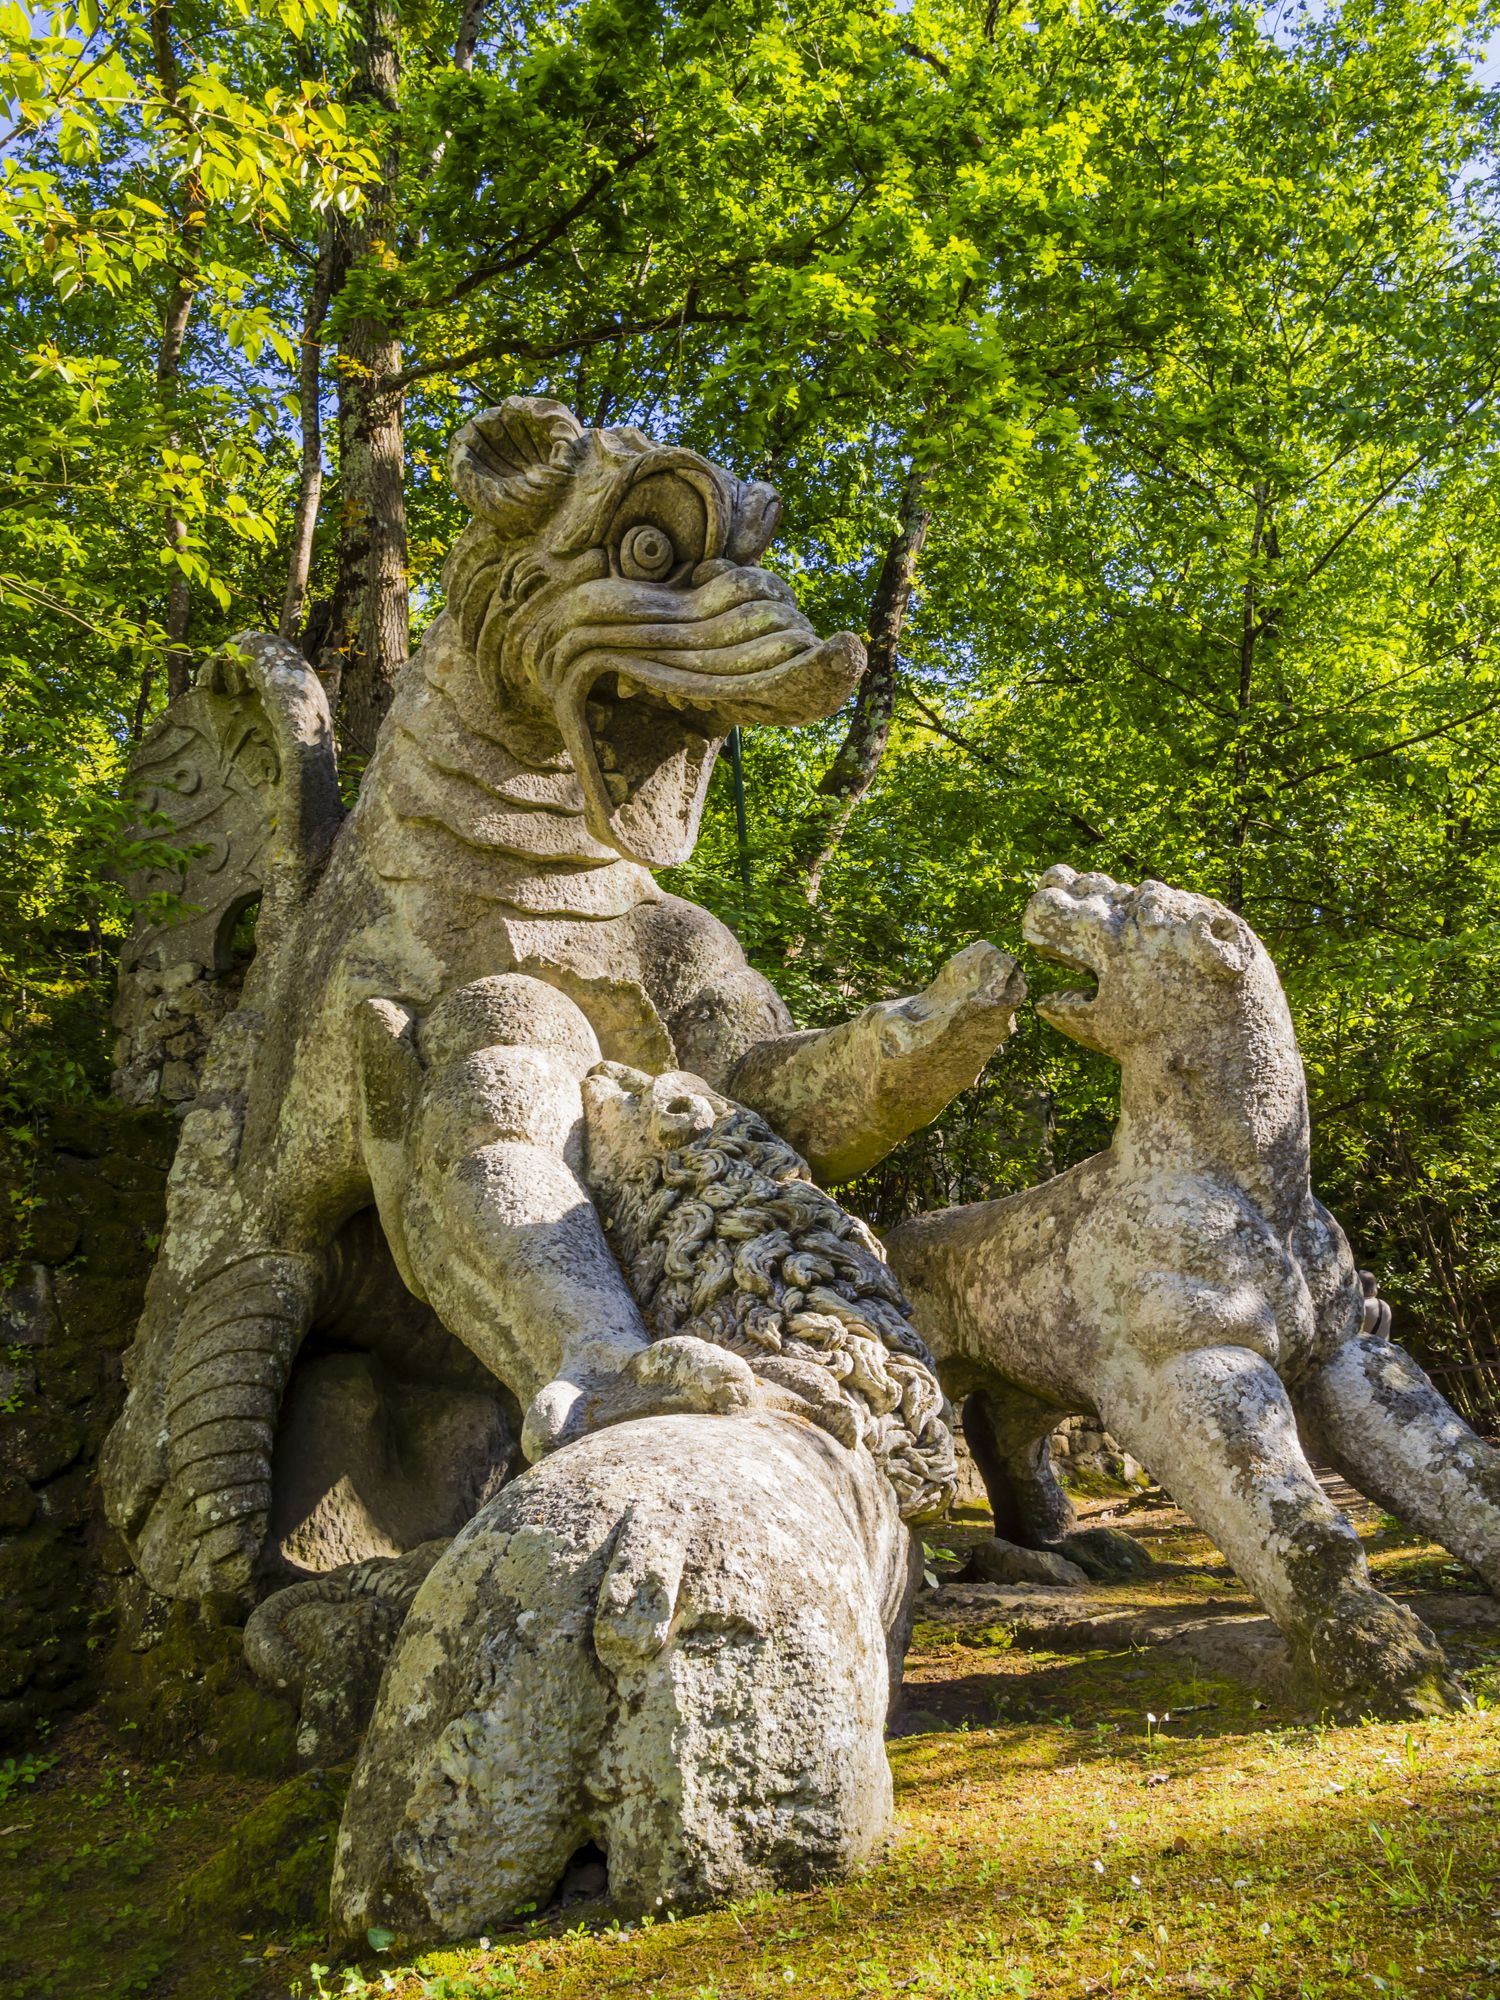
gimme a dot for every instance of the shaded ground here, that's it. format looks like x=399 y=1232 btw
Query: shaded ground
x=1058 y=1835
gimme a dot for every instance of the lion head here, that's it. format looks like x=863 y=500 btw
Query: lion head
x=610 y=592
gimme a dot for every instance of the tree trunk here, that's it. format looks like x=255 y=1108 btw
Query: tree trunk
x=1254 y=624
x=853 y=770
x=370 y=631
x=467 y=39
x=175 y=316
x=310 y=483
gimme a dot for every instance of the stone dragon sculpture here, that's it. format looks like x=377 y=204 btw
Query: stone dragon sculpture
x=430 y=1206
x=1188 y=1289
x=439 y=970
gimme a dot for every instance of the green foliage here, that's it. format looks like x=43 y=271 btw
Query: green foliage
x=19 y=1772
x=1185 y=318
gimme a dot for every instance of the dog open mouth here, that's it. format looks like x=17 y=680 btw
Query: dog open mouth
x=1050 y=931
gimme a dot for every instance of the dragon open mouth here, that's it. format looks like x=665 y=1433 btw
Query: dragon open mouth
x=643 y=708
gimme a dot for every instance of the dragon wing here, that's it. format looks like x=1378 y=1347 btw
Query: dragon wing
x=243 y=767
x=242 y=770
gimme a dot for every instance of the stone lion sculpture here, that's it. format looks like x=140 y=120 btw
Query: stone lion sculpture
x=438 y=970
x=673 y=1643
x=1188 y=1289
x=724 y=1236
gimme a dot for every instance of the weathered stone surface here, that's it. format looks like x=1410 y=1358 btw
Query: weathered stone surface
x=725 y=1239
x=17 y=1502
x=39 y=1441
x=241 y=767
x=175 y=1675
x=324 y=1643
x=1084 y=1451
x=671 y=1639
x=1003 y=1562
x=68 y=1500
x=28 y=1308
x=429 y=991
x=1107 y=1555
x=1187 y=1290
x=52 y=1233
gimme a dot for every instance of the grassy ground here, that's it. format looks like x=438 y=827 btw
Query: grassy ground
x=1058 y=1835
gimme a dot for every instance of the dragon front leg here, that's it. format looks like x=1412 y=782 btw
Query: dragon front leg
x=474 y=1139
x=845 y=1096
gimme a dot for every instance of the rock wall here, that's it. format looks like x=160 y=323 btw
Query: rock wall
x=82 y=1228
x=1082 y=1451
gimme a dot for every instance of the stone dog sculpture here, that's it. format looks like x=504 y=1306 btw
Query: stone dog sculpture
x=438 y=972
x=1187 y=1288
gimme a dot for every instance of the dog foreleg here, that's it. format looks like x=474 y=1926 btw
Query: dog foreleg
x=1216 y=1427
x=1008 y=1434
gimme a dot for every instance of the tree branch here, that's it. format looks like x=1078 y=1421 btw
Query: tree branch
x=1390 y=749
x=499 y=267
x=515 y=344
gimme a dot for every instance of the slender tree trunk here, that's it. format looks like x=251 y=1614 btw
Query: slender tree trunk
x=175 y=317
x=310 y=484
x=370 y=629
x=142 y=701
x=854 y=768
x=1252 y=625
x=468 y=35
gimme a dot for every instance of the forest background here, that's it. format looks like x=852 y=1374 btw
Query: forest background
x=1130 y=374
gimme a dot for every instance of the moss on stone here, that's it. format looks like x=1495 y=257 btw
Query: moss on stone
x=273 y=1872
x=191 y=1685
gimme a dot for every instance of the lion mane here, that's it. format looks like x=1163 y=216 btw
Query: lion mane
x=727 y=1238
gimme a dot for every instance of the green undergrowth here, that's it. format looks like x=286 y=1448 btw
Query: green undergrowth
x=1225 y=1852
x=1113 y=1822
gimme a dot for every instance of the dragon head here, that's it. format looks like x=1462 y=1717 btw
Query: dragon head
x=610 y=591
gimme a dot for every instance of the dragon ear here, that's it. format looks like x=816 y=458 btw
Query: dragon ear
x=509 y=464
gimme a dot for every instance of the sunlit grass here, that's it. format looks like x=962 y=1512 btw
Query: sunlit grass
x=1071 y=1858
x=1112 y=1822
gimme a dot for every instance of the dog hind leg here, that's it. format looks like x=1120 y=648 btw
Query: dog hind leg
x=1386 y=1428
x=1007 y=1432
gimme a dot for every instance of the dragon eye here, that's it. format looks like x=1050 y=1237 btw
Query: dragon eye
x=646 y=553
